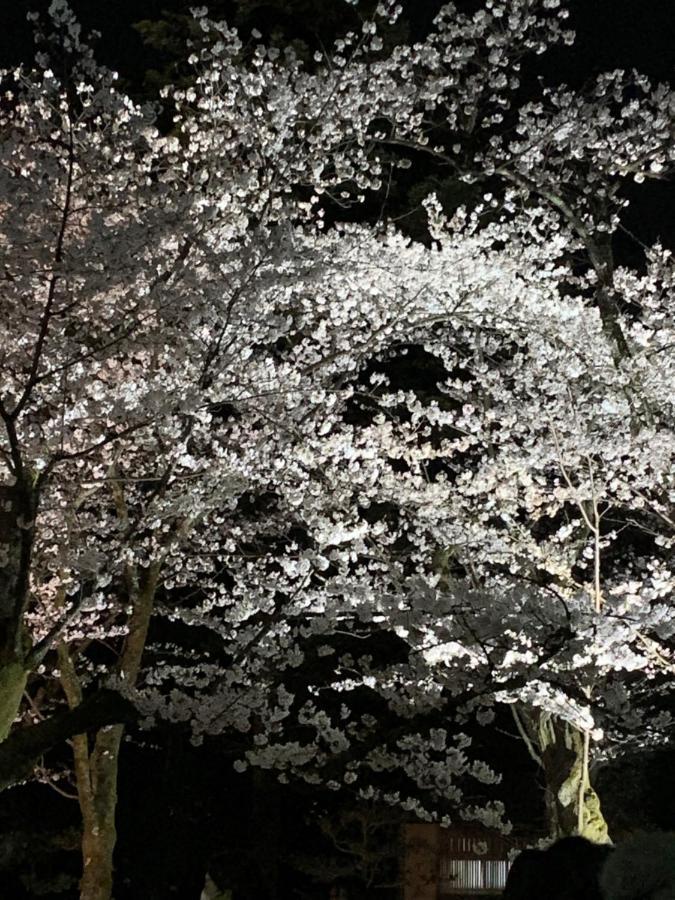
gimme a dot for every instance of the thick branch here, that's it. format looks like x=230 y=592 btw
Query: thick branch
x=19 y=752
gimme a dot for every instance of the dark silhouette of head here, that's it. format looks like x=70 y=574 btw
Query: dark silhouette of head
x=567 y=870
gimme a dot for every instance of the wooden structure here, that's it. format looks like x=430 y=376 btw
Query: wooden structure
x=466 y=861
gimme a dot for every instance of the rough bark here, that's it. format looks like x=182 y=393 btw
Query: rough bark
x=13 y=677
x=572 y=805
x=97 y=770
x=99 y=833
x=17 y=509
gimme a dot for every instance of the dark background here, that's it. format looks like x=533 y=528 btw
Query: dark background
x=611 y=34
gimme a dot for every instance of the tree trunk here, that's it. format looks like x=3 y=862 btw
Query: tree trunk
x=99 y=832
x=13 y=677
x=18 y=504
x=96 y=771
x=572 y=805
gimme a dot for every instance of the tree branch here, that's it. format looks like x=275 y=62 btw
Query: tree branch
x=19 y=752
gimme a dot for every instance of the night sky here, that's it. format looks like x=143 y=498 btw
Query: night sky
x=610 y=33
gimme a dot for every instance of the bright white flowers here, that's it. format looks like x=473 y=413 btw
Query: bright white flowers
x=187 y=381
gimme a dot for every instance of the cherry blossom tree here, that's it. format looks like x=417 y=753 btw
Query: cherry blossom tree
x=574 y=154
x=527 y=555
x=146 y=291
x=202 y=422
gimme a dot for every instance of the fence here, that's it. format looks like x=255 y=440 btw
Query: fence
x=464 y=861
